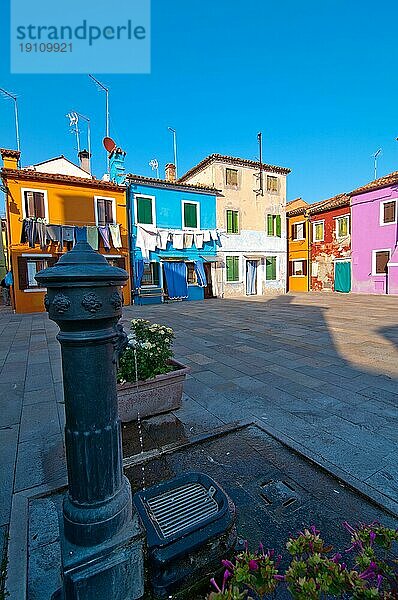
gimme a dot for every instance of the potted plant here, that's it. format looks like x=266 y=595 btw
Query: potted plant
x=150 y=381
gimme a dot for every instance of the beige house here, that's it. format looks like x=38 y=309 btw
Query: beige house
x=251 y=216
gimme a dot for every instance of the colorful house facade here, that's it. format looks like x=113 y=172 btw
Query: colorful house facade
x=251 y=216
x=298 y=247
x=375 y=236
x=330 y=244
x=174 y=239
x=49 y=207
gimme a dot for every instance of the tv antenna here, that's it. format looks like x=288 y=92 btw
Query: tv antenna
x=74 y=124
x=154 y=164
x=173 y=131
x=375 y=157
x=13 y=97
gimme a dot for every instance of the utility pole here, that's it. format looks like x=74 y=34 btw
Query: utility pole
x=106 y=90
x=260 y=146
x=14 y=98
x=375 y=157
x=173 y=131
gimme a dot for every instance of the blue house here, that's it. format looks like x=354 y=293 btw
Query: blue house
x=173 y=238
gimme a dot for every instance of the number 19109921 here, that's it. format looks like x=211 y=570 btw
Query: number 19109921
x=45 y=47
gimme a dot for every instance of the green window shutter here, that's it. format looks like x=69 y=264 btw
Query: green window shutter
x=235 y=221
x=270 y=268
x=270 y=224
x=144 y=211
x=278 y=226
x=229 y=221
x=190 y=215
x=232 y=263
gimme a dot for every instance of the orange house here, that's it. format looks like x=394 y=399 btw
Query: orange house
x=298 y=245
x=47 y=206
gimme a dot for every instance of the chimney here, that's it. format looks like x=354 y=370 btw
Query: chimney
x=170 y=172
x=10 y=158
x=84 y=158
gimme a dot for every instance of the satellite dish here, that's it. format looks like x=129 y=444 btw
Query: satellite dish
x=109 y=144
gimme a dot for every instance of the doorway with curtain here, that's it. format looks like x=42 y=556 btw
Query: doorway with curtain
x=342 y=276
x=251 y=277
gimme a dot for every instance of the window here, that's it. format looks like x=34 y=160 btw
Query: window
x=272 y=183
x=34 y=204
x=298 y=231
x=145 y=210
x=380 y=260
x=232 y=221
x=104 y=211
x=270 y=268
x=388 y=212
x=191 y=274
x=150 y=275
x=318 y=231
x=274 y=225
x=298 y=268
x=190 y=215
x=342 y=227
x=28 y=266
x=231 y=176
x=232 y=263
x=116 y=261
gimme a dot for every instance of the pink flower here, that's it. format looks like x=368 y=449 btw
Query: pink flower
x=214 y=584
x=253 y=565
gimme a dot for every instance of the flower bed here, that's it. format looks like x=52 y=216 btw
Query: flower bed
x=315 y=572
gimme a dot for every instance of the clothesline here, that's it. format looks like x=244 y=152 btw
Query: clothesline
x=38 y=231
x=148 y=239
x=63 y=224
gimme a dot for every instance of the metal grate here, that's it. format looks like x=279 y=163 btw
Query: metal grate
x=182 y=507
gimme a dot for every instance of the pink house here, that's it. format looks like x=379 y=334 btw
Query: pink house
x=374 y=236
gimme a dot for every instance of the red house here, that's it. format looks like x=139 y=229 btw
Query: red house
x=330 y=244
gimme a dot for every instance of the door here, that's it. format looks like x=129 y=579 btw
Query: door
x=251 y=277
x=342 y=276
x=208 y=290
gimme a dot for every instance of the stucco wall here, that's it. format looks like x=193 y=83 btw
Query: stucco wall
x=368 y=235
x=323 y=254
x=253 y=209
x=298 y=250
x=68 y=204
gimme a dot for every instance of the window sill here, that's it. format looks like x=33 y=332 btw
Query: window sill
x=35 y=290
x=297 y=275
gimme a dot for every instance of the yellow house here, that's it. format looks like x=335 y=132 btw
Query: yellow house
x=298 y=244
x=48 y=207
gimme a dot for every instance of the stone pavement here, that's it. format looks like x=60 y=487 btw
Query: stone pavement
x=319 y=371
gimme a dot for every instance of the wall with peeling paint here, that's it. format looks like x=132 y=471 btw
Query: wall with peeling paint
x=324 y=254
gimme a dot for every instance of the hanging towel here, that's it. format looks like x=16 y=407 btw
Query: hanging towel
x=176 y=279
x=80 y=234
x=200 y=273
x=138 y=272
x=188 y=240
x=68 y=233
x=206 y=236
x=214 y=235
x=104 y=233
x=115 y=235
x=178 y=240
x=54 y=233
x=146 y=241
x=199 y=240
x=163 y=236
x=92 y=236
x=41 y=229
x=29 y=232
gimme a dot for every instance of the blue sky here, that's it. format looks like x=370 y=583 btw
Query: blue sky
x=319 y=79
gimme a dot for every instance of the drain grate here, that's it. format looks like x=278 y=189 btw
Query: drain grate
x=182 y=507
x=279 y=494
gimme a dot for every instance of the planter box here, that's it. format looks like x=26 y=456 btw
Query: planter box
x=152 y=397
